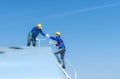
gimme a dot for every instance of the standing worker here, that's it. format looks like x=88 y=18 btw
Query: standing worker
x=33 y=34
x=61 y=48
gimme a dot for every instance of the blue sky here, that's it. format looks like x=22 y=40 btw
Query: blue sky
x=90 y=29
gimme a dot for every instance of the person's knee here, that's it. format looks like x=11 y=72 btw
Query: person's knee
x=28 y=44
x=55 y=53
x=34 y=45
x=62 y=57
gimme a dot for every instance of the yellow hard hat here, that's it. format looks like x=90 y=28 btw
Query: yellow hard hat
x=39 y=26
x=58 y=33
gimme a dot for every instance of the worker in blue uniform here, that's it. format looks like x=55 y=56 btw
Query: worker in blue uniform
x=61 y=48
x=34 y=33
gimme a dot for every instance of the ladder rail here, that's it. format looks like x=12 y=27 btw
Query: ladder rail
x=72 y=68
x=53 y=46
x=66 y=74
x=75 y=71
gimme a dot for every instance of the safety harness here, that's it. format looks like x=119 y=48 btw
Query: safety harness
x=60 y=44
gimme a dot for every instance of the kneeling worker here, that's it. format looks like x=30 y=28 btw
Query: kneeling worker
x=33 y=34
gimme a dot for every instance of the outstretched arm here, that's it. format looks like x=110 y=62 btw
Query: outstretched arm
x=51 y=37
x=42 y=33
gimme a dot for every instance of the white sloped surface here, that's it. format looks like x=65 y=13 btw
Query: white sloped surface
x=28 y=63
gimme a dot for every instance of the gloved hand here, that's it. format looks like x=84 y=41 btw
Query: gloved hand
x=37 y=39
x=47 y=35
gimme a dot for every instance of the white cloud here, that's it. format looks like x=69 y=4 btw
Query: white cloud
x=82 y=10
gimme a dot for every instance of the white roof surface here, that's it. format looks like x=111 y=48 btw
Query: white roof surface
x=28 y=63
